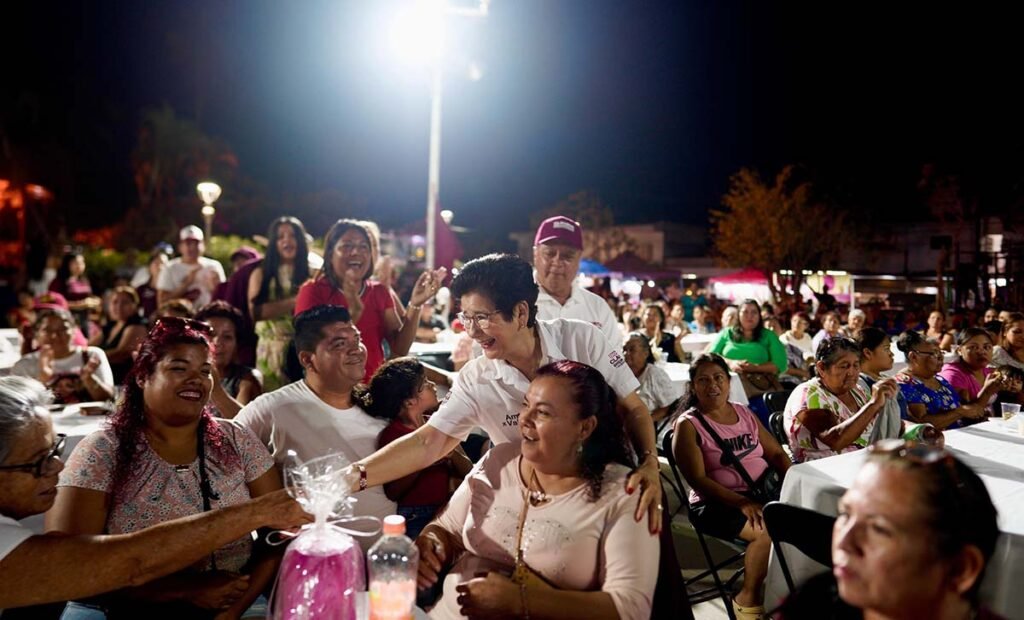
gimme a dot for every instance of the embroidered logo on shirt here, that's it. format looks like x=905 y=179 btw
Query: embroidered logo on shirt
x=615 y=359
x=511 y=419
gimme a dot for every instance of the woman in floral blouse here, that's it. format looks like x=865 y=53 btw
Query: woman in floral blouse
x=831 y=414
x=165 y=456
x=930 y=398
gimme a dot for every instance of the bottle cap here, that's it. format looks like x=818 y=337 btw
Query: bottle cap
x=394 y=525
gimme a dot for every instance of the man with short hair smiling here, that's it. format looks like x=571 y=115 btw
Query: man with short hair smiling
x=318 y=415
x=557 y=250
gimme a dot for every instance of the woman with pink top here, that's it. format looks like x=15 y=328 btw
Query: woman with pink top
x=721 y=501
x=970 y=373
x=552 y=512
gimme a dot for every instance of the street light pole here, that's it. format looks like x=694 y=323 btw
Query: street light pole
x=434 y=168
x=425 y=26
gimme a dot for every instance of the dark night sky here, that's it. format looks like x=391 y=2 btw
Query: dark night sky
x=652 y=104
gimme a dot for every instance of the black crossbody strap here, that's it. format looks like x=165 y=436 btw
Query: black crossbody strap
x=726 y=450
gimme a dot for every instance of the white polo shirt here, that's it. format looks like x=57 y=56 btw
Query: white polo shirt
x=582 y=305
x=489 y=393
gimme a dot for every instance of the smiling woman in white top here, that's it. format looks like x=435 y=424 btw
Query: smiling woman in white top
x=57 y=357
x=498 y=298
x=553 y=507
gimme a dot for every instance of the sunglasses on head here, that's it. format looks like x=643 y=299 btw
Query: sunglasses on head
x=917 y=453
x=175 y=323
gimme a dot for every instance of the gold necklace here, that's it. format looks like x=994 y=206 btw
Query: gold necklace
x=537 y=496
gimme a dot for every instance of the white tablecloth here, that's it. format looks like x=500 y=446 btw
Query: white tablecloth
x=696 y=343
x=680 y=375
x=993 y=449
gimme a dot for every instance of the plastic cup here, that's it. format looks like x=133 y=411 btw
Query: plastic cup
x=1010 y=410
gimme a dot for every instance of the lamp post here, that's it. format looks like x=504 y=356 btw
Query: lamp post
x=422 y=34
x=208 y=192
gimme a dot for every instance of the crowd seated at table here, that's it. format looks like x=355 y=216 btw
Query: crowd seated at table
x=191 y=430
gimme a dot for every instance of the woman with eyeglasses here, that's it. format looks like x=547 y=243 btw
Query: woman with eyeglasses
x=498 y=298
x=165 y=456
x=37 y=569
x=914 y=535
x=971 y=374
x=831 y=413
x=351 y=249
x=930 y=397
x=57 y=358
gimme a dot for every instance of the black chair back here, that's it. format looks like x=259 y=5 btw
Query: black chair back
x=778 y=428
x=776 y=401
x=807 y=530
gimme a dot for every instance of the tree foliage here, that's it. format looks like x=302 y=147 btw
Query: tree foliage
x=602 y=241
x=777 y=226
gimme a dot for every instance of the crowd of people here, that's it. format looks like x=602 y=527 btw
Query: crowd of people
x=216 y=382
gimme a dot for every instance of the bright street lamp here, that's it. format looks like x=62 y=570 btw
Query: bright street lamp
x=420 y=33
x=208 y=192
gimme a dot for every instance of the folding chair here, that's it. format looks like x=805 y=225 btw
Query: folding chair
x=807 y=530
x=721 y=589
x=776 y=401
x=778 y=429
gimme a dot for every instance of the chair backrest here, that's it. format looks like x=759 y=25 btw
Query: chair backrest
x=807 y=530
x=776 y=401
x=778 y=428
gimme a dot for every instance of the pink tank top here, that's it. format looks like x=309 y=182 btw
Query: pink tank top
x=744 y=439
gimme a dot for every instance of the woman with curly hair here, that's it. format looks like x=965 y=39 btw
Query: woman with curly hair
x=165 y=456
x=273 y=287
x=553 y=509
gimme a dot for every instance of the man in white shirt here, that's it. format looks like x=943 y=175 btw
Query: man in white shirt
x=192 y=275
x=318 y=415
x=557 y=249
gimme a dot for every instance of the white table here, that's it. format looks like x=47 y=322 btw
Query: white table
x=696 y=343
x=680 y=375
x=993 y=449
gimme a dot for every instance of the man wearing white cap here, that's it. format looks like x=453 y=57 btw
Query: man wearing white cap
x=192 y=275
x=557 y=250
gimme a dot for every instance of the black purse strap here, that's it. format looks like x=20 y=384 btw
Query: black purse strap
x=726 y=450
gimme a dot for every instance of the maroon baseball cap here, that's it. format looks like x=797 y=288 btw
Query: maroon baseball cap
x=560 y=229
x=50 y=300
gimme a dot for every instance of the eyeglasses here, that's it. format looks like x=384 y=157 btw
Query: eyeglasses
x=974 y=348
x=482 y=320
x=348 y=248
x=933 y=354
x=37 y=468
x=178 y=323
